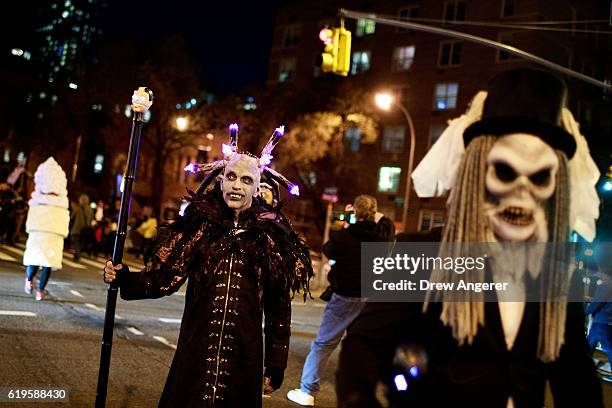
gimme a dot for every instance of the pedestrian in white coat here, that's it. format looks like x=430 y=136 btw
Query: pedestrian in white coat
x=46 y=225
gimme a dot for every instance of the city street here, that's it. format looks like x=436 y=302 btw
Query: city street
x=56 y=342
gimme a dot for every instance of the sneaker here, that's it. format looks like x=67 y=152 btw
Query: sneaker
x=28 y=287
x=300 y=397
x=40 y=294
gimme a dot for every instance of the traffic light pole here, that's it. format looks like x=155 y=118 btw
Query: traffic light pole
x=141 y=102
x=479 y=40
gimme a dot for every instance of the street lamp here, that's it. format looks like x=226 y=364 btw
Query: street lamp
x=182 y=123
x=385 y=101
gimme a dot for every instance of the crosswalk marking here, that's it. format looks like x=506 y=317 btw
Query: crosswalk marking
x=20 y=253
x=95 y=264
x=169 y=320
x=5 y=257
x=76 y=293
x=72 y=264
x=135 y=331
x=99 y=309
x=98 y=262
x=163 y=340
x=132 y=265
x=94 y=307
x=13 y=250
x=60 y=283
x=16 y=313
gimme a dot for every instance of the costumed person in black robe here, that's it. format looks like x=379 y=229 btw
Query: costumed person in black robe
x=510 y=189
x=241 y=258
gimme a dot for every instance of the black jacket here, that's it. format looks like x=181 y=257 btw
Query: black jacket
x=344 y=247
x=483 y=374
x=237 y=270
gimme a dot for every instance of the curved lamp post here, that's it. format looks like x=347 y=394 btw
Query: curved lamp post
x=385 y=101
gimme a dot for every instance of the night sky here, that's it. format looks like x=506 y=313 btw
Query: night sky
x=229 y=39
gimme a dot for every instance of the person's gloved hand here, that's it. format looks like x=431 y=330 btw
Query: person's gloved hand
x=273 y=379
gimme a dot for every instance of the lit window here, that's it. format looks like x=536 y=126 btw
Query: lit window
x=508 y=8
x=286 y=69
x=505 y=38
x=430 y=219
x=454 y=10
x=435 y=132
x=403 y=57
x=365 y=27
x=98 y=164
x=446 y=96
x=352 y=139
x=450 y=54
x=291 y=36
x=388 y=179
x=393 y=139
x=361 y=62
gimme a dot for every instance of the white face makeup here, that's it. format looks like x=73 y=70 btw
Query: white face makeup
x=240 y=182
x=520 y=178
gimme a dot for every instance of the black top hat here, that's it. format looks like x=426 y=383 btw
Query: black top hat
x=525 y=101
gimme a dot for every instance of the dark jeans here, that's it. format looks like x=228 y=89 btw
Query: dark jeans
x=76 y=246
x=45 y=272
x=602 y=333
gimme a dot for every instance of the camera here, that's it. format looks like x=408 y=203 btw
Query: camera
x=346 y=216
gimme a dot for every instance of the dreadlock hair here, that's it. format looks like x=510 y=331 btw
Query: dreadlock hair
x=468 y=224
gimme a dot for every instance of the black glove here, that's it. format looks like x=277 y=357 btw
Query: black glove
x=276 y=376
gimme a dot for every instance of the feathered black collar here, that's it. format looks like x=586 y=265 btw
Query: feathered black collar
x=214 y=210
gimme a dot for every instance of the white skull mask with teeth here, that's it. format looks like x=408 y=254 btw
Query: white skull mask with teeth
x=520 y=179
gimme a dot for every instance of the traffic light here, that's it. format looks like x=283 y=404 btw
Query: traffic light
x=336 y=55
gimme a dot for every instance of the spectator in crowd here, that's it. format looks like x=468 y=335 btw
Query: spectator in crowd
x=7 y=208
x=142 y=235
x=344 y=248
x=81 y=230
x=600 y=309
x=46 y=225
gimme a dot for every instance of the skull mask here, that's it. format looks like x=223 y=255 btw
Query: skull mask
x=520 y=179
x=240 y=182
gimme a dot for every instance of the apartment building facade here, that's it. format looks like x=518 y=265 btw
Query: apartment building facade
x=432 y=76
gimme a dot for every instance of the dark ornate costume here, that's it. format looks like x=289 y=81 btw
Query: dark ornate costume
x=237 y=269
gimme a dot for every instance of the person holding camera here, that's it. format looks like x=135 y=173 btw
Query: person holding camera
x=343 y=248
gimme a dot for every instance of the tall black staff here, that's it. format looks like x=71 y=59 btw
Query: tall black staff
x=141 y=102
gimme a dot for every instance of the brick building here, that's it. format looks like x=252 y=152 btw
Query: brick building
x=435 y=77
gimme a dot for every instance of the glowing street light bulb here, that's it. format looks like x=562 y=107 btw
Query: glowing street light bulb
x=383 y=100
x=182 y=123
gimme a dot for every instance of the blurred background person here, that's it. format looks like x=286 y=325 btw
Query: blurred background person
x=344 y=248
x=7 y=208
x=143 y=233
x=600 y=310
x=81 y=230
x=46 y=225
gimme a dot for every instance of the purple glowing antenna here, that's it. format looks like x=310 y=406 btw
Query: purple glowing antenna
x=233 y=134
x=293 y=189
x=191 y=168
x=266 y=154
